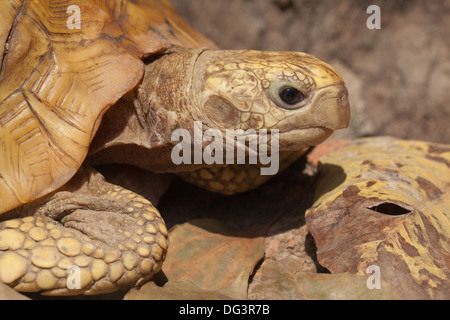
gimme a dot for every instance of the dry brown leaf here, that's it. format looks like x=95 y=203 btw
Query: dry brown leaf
x=386 y=202
x=209 y=258
x=280 y=281
x=174 y=290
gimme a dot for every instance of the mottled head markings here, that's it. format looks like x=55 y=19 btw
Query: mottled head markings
x=270 y=90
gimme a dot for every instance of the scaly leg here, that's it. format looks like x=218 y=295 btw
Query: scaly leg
x=89 y=237
x=236 y=178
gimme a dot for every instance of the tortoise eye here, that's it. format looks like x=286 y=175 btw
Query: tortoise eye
x=287 y=96
x=291 y=96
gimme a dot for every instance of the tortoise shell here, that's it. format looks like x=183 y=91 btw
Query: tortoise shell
x=62 y=67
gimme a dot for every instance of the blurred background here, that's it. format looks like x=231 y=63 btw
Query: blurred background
x=398 y=77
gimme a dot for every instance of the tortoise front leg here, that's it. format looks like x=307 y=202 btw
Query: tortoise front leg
x=89 y=237
x=236 y=178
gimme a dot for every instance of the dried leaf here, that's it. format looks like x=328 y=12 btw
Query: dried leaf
x=211 y=259
x=174 y=290
x=386 y=202
x=280 y=281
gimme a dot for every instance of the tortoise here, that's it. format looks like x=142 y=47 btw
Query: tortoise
x=109 y=82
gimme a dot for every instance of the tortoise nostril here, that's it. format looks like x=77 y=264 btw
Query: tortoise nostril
x=343 y=97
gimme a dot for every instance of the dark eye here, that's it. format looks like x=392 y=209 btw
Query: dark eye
x=291 y=96
x=286 y=95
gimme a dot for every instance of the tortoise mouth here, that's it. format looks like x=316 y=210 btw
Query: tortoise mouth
x=300 y=138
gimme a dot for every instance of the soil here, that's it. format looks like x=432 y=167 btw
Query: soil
x=398 y=76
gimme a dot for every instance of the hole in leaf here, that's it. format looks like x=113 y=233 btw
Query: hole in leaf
x=390 y=209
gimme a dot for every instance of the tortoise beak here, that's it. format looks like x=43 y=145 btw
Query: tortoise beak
x=332 y=108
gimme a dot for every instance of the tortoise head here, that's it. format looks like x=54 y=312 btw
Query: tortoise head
x=301 y=96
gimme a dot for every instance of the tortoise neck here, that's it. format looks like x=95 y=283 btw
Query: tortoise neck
x=165 y=88
x=147 y=116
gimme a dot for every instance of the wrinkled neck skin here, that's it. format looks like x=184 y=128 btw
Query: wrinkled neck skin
x=164 y=98
x=137 y=130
